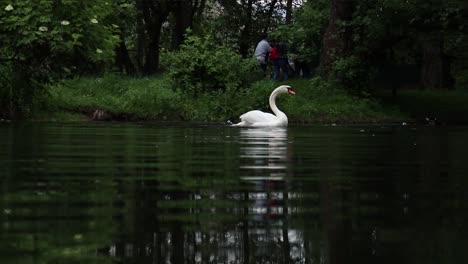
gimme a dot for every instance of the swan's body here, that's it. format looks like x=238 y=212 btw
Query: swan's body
x=258 y=118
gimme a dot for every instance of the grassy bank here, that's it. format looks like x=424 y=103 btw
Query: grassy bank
x=124 y=98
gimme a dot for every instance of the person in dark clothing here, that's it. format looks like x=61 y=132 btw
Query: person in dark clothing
x=282 y=64
x=274 y=58
x=301 y=66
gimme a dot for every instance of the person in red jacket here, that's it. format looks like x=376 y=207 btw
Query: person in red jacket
x=274 y=58
x=279 y=57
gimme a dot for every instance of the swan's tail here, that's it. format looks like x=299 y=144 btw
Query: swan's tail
x=241 y=123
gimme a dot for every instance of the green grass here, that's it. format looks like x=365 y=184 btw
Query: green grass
x=138 y=98
x=153 y=98
x=320 y=101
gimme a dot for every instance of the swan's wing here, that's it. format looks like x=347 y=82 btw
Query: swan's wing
x=257 y=116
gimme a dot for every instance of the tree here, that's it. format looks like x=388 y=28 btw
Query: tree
x=365 y=36
x=246 y=20
x=433 y=20
x=305 y=32
x=43 y=40
x=289 y=11
x=124 y=18
x=154 y=14
x=435 y=65
x=244 y=42
x=184 y=13
x=337 y=41
x=271 y=11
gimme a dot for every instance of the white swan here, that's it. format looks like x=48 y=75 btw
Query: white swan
x=258 y=118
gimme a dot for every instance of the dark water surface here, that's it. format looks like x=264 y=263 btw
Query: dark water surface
x=168 y=193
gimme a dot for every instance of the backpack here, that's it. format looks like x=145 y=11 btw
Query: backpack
x=274 y=54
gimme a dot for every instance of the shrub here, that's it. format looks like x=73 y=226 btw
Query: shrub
x=202 y=66
x=44 y=40
x=353 y=73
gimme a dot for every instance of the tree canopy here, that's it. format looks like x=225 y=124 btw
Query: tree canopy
x=352 y=42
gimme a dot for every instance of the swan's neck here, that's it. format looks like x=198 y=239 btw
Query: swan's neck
x=273 y=106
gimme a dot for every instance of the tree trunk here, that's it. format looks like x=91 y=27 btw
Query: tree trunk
x=435 y=69
x=183 y=14
x=245 y=33
x=337 y=40
x=155 y=13
x=141 y=43
x=151 y=64
x=288 y=12
x=122 y=60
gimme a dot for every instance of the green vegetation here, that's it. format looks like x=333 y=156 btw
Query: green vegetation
x=42 y=41
x=154 y=99
x=201 y=66
x=202 y=52
x=143 y=98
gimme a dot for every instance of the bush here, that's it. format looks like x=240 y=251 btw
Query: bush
x=353 y=73
x=20 y=84
x=202 y=66
x=44 y=40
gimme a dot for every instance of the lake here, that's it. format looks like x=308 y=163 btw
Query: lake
x=191 y=193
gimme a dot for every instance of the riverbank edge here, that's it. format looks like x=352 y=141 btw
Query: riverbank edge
x=85 y=116
x=124 y=99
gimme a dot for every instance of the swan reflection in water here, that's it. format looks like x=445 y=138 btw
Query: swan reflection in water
x=264 y=166
x=264 y=153
x=263 y=156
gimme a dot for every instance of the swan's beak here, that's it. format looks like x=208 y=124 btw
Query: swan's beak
x=290 y=91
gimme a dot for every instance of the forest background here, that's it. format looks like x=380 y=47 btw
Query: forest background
x=371 y=60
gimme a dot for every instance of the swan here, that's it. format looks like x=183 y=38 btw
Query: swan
x=256 y=118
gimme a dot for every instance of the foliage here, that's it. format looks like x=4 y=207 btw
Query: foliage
x=393 y=33
x=201 y=66
x=353 y=73
x=304 y=35
x=47 y=29
x=139 y=98
x=321 y=101
x=45 y=39
x=154 y=99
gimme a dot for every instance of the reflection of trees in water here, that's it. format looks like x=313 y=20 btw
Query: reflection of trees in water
x=264 y=166
x=347 y=205
x=245 y=222
x=352 y=197
x=54 y=207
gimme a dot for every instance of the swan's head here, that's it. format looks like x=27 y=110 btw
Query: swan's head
x=285 y=89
